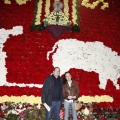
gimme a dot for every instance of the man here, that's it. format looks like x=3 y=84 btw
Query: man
x=52 y=94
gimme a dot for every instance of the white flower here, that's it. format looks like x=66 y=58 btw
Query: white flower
x=86 y=111
x=14 y=112
x=20 y=106
x=3 y=107
x=38 y=106
x=9 y=112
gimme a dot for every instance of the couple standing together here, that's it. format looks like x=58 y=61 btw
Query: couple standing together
x=55 y=90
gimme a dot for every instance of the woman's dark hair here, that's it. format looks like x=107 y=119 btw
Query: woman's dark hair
x=64 y=78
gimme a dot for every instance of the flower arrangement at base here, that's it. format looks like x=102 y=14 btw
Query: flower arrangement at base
x=27 y=111
x=22 y=111
x=86 y=112
x=34 y=114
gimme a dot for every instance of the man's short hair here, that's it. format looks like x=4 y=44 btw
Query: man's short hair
x=56 y=68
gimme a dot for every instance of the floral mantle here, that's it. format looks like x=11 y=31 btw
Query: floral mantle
x=51 y=19
x=43 y=13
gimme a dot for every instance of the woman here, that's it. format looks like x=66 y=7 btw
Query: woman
x=70 y=93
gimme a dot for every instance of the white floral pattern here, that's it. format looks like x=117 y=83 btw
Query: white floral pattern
x=89 y=56
x=4 y=35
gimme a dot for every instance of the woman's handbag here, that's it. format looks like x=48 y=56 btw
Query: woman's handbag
x=77 y=105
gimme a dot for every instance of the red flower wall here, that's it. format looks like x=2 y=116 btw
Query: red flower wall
x=27 y=63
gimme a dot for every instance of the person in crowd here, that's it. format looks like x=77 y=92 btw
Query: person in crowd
x=70 y=93
x=52 y=94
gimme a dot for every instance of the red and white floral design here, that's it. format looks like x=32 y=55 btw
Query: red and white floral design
x=26 y=60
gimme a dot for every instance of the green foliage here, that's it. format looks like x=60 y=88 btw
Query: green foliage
x=12 y=117
x=75 y=28
x=34 y=114
x=37 y=27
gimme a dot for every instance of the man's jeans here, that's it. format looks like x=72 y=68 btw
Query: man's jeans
x=67 y=106
x=54 y=110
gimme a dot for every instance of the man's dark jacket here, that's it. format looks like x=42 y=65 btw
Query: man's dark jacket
x=47 y=90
